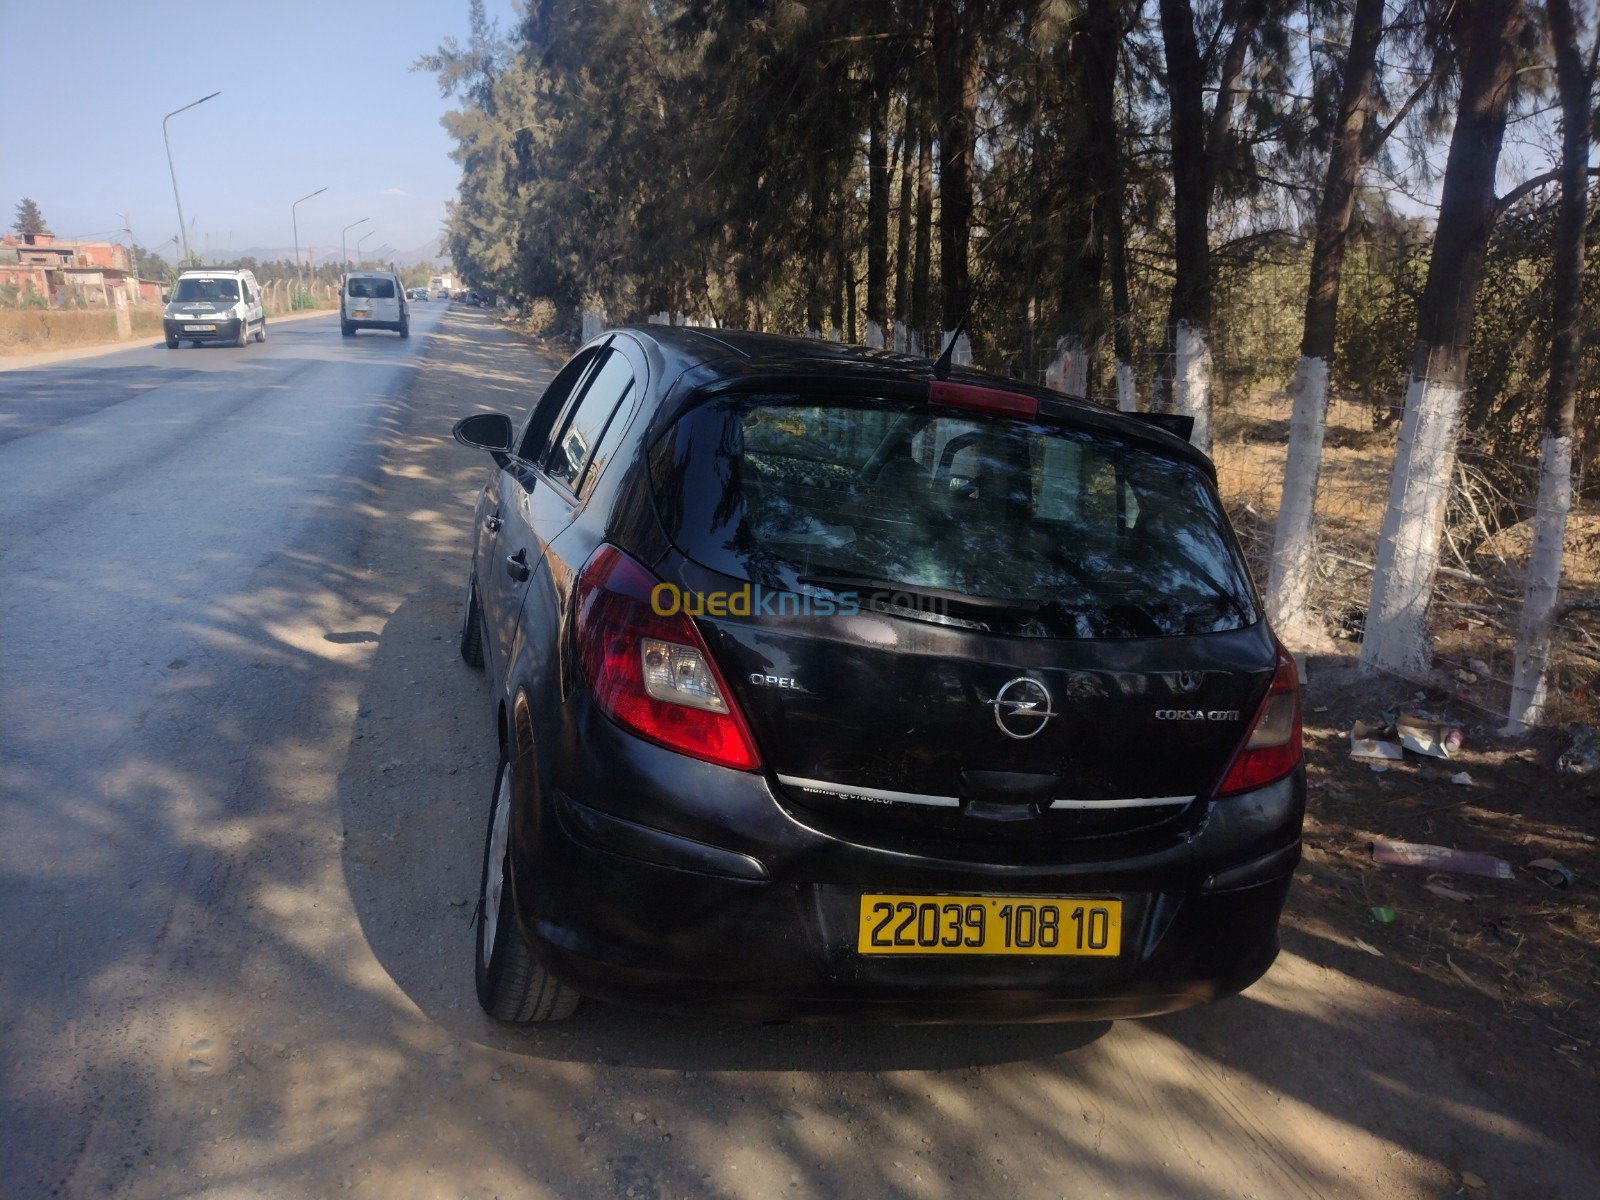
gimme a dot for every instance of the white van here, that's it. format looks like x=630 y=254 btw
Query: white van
x=215 y=306
x=373 y=300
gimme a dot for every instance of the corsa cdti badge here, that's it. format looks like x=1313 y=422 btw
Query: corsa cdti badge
x=1022 y=708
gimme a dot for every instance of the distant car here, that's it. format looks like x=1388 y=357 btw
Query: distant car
x=419 y=294
x=373 y=300
x=832 y=683
x=475 y=299
x=215 y=306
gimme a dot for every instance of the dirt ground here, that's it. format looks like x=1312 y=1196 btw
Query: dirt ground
x=1502 y=972
x=1504 y=975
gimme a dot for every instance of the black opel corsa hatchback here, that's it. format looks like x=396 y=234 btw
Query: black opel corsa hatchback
x=828 y=686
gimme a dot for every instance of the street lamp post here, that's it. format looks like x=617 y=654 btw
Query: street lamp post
x=344 y=255
x=361 y=239
x=295 y=220
x=182 y=229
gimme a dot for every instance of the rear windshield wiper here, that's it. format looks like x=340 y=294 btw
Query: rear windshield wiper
x=930 y=597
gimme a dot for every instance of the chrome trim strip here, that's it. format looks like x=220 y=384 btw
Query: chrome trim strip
x=1132 y=802
x=847 y=792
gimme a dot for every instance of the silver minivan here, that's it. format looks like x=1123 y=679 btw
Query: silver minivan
x=373 y=300
x=215 y=306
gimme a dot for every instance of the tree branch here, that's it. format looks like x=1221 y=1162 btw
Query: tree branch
x=1530 y=185
x=1417 y=93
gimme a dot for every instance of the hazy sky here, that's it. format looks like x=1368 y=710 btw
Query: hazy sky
x=314 y=94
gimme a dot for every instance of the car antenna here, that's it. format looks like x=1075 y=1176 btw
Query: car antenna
x=941 y=365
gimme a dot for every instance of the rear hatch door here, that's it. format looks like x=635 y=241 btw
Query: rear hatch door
x=372 y=298
x=944 y=625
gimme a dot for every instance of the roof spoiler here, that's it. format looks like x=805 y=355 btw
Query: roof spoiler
x=1174 y=423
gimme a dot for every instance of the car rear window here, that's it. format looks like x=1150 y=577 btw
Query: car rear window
x=214 y=290
x=1028 y=528
x=372 y=289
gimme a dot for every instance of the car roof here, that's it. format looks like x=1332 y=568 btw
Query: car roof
x=713 y=356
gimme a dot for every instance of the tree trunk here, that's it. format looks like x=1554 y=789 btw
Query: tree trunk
x=1196 y=152
x=1397 y=636
x=1102 y=33
x=817 y=259
x=1189 y=314
x=843 y=281
x=922 y=263
x=850 y=287
x=1080 y=303
x=1293 y=549
x=1575 y=84
x=956 y=62
x=877 y=207
x=902 y=251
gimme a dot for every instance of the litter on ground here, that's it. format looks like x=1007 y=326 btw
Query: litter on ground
x=1441 y=858
x=1367 y=742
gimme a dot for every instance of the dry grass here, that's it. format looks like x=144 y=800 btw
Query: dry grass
x=1478 y=598
x=31 y=330
x=1252 y=439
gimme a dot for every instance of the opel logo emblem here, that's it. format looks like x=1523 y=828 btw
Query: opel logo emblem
x=1022 y=708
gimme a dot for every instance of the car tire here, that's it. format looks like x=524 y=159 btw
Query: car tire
x=405 y=329
x=347 y=329
x=472 y=630
x=173 y=343
x=243 y=339
x=511 y=984
x=261 y=334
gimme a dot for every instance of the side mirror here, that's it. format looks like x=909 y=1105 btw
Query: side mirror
x=485 y=431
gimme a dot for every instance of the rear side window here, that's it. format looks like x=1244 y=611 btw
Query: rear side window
x=372 y=289
x=1074 y=534
x=571 y=380
x=585 y=423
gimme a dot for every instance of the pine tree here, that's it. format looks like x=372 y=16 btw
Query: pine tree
x=29 y=219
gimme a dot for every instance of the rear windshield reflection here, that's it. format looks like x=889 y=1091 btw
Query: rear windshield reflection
x=1078 y=535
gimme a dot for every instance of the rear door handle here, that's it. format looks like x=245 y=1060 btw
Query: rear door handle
x=517 y=566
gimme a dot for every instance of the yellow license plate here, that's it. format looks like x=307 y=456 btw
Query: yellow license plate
x=989 y=925
x=362 y=312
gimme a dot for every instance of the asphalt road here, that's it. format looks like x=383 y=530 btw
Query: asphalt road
x=159 y=510
x=243 y=782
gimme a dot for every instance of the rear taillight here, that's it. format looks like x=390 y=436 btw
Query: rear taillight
x=1271 y=748
x=652 y=674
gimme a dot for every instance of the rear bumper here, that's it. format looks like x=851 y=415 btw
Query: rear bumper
x=224 y=330
x=373 y=322
x=635 y=933
x=754 y=915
